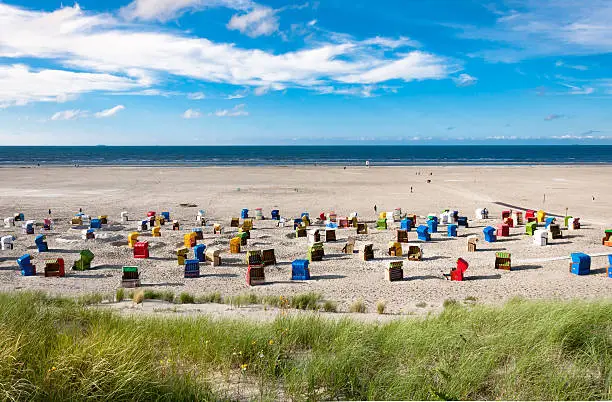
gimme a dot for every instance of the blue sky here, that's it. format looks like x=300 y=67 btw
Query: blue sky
x=208 y=72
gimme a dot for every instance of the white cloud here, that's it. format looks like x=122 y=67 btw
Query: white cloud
x=312 y=23
x=164 y=10
x=561 y=63
x=192 y=114
x=261 y=21
x=72 y=114
x=237 y=110
x=196 y=95
x=465 y=80
x=109 y=112
x=546 y=28
x=19 y=85
x=390 y=43
x=236 y=96
x=134 y=57
x=553 y=117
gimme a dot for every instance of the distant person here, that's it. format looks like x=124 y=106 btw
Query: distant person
x=345 y=168
x=49 y=211
x=593 y=198
x=411 y=189
x=368 y=164
x=375 y=209
x=80 y=210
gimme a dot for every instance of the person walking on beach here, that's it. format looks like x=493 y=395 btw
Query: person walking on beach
x=375 y=209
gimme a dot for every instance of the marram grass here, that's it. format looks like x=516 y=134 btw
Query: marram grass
x=58 y=349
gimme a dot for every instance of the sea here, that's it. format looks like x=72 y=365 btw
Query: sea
x=383 y=155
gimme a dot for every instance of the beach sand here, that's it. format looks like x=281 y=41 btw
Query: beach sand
x=541 y=272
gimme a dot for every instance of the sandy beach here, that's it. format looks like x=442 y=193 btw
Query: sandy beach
x=541 y=272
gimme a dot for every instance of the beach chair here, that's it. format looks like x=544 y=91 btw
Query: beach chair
x=300 y=270
x=394 y=271
x=84 y=262
x=199 y=252
x=189 y=239
x=25 y=265
x=9 y=222
x=395 y=249
x=150 y=214
x=549 y=221
x=192 y=269
x=330 y=235
x=581 y=264
x=217 y=229
x=530 y=216
x=305 y=219
x=300 y=231
x=471 y=244
x=413 y=220
x=275 y=213
x=255 y=275
x=76 y=221
x=540 y=237
x=517 y=217
x=396 y=214
x=244 y=214
x=506 y=214
x=297 y=222
x=214 y=256
x=124 y=217
x=315 y=252
x=247 y=225
x=132 y=239
x=566 y=221
x=462 y=221
x=555 y=231
x=235 y=245
x=28 y=227
x=159 y=221
x=509 y=221
x=606 y=241
x=445 y=218
x=362 y=228
x=432 y=225
x=574 y=224
x=254 y=257
x=141 y=249
x=423 y=233
x=156 y=231
x=451 y=230
x=200 y=217
x=144 y=225
x=95 y=224
x=367 y=252
x=406 y=224
x=234 y=222
x=353 y=221
x=243 y=236
x=19 y=217
x=47 y=224
x=55 y=268
x=7 y=242
x=479 y=213
x=402 y=236
x=415 y=252
x=41 y=243
x=166 y=216
x=176 y=225
x=489 y=234
x=349 y=247
x=314 y=236
x=343 y=222
x=103 y=219
x=130 y=277
x=540 y=216
x=199 y=234
x=181 y=255
x=530 y=228
x=503 y=230
x=610 y=267
x=458 y=273
x=268 y=257
x=503 y=261
x=381 y=224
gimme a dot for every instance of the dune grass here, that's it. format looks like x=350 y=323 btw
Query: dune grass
x=58 y=349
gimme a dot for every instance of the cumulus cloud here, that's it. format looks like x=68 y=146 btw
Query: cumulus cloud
x=261 y=21
x=465 y=80
x=192 y=114
x=109 y=112
x=236 y=96
x=125 y=58
x=72 y=114
x=237 y=110
x=553 y=117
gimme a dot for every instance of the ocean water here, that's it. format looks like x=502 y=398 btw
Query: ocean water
x=306 y=155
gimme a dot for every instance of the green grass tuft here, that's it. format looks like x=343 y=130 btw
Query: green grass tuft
x=186 y=298
x=358 y=306
x=381 y=306
x=120 y=294
x=330 y=306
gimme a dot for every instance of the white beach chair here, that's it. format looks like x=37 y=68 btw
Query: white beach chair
x=8 y=222
x=124 y=216
x=540 y=237
x=7 y=242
